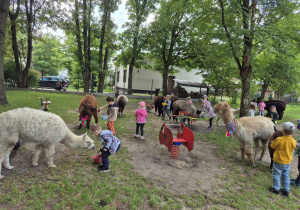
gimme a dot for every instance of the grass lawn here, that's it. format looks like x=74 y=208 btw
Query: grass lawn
x=75 y=184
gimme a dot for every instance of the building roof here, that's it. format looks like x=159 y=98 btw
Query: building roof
x=190 y=83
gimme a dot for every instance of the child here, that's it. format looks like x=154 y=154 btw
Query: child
x=261 y=107
x=204 y=100
x=252 y=110
x=282 y=157
x=210 y=113
x=112 y=113
x=167 y=107
x=140 y=115
x=111 y=145
x=189 y=100
x=273 y=114
x=296 y=182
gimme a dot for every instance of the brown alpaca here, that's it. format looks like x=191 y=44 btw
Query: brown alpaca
x=276 y=134
x=122 y=101
x=173 y=99
x=117 y=92
x=158 y=104
x=247 y=130
x=87 y=108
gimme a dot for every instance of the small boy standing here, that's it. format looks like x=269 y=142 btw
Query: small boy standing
x=282 y=157
x=273 y=114
x=112 y=113
x=296 y=182
x=167 y=107
x=111 y=145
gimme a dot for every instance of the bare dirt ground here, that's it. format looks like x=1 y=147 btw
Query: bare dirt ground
x=199 y=169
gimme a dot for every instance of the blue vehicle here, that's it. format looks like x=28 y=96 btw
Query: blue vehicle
x=55 y=82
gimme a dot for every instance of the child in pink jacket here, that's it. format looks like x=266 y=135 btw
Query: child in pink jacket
x=140 y=115
x=261 y=106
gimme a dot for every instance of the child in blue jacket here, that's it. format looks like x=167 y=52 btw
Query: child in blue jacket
x=111 y=145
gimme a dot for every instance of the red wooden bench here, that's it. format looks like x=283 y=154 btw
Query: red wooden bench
x=185 y=136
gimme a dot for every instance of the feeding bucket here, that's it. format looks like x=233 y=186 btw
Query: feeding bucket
x=97 y=158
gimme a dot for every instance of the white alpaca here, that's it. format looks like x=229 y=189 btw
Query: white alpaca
x=247 y=130
x=42 y=128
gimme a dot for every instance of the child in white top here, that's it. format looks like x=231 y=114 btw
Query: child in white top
x=252 y=110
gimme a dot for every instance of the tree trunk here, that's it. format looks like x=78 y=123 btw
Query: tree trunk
x=264 y=88
x=102 y=37
x=131 y=65
x=165 y=80
x=13 y=18
x=4 y=6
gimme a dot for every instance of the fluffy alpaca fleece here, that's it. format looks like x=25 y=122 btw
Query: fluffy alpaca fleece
x=39 y=127
x=182 y=105
x=88 y=107
x=122 y=101
x=234 y=111
x=247 y=130
x=276 y=134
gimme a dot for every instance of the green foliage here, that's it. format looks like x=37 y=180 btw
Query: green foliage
x=47 y=55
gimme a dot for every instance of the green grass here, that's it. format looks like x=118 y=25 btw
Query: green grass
x=76 y=184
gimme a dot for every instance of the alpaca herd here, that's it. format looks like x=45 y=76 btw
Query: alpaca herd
x=249 y=131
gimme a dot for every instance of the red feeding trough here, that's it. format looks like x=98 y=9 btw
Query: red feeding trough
x=97 y=158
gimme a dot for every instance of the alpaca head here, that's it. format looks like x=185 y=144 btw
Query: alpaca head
x=221 y=108
x=87 y=110
x=197 y=113
x=88 y=143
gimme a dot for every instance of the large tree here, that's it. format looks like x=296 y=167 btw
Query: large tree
x=4 y=6
x=247 y=24
x=134 y=38
x=106 y=38
x=172 y=37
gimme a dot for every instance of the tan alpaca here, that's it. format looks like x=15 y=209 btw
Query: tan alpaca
x=234 y=111
x=248 y=130
x=35 y=126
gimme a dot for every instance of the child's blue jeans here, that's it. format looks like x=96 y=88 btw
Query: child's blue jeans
x=277 y=171
x=105 y=155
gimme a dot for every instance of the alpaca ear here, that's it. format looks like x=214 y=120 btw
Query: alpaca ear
x=84 y=136
x=83 y=105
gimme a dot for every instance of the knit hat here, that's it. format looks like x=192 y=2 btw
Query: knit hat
x=288 y=126
x=205 y=96
x=142 y=104
x=273 y=106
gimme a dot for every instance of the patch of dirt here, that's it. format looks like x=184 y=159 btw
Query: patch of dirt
x=199 y=169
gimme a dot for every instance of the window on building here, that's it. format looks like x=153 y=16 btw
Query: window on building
x=118 y=76
x=124 y=76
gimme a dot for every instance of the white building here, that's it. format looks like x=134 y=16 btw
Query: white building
x=145 y=80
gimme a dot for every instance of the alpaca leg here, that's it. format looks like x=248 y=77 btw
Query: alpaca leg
x=50 y=151
x=250 y=156
x=264 y=148
x=36 y=154
x=6 y=161
x=96 y=116
x=243 y=153
x=1 y=160
x=88 y=122
x=257 y=147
